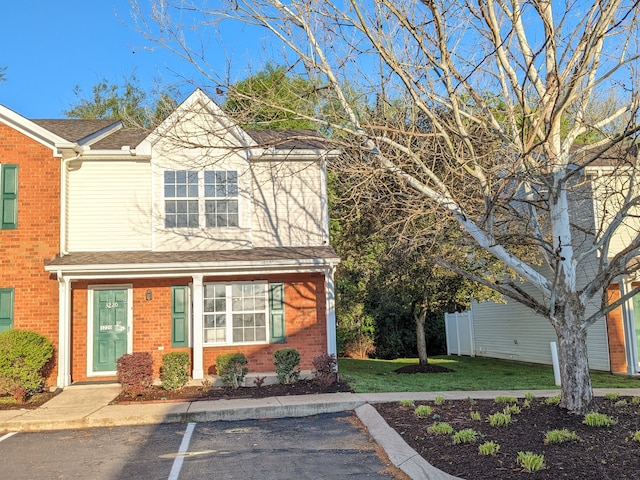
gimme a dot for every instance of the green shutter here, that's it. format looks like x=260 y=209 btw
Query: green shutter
x=6 y=309
x=179 y=317
x=276 y=311
x=9 y=199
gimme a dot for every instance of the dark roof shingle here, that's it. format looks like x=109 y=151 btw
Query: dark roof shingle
x=74 y=130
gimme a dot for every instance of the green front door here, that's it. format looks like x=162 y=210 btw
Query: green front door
x=109 y=328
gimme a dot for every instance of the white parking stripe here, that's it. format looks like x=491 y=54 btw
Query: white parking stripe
x=10 y=434
x=184 y=446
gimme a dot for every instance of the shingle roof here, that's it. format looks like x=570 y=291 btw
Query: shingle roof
x=290 y=139
x=129 y=137
x=254 y=255
x=74 y=129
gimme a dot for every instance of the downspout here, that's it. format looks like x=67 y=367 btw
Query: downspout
x=64 y=331
x=330 y=314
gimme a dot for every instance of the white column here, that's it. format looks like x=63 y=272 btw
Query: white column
x=198 y=327
x=64 y=331
x=331 y=312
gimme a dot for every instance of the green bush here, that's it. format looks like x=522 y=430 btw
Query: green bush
x=174 y=372
x=135 y=372
x=231 y=367
x=287 y=361
x=23 y=357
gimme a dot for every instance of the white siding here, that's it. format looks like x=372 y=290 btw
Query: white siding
x=109 y=205
x=288 y=208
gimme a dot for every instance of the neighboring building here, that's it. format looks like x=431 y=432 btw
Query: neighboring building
x=512 y=331
x=198 y=237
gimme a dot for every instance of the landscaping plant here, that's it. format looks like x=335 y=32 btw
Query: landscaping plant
x=440 y=428
x=135 y=372
x=231 y=367
x=286 y=362
x=174 y=372
x=423 y=411
x=488 y=448
x=325 y=369
x=468 y=435
x=595 y=419
x=560 y=436
x=530 y=461
x=23 y=357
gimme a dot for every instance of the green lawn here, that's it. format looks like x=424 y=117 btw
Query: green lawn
x=470 y=373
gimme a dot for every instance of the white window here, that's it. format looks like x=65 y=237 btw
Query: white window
x=193 y=198
x=235 y=313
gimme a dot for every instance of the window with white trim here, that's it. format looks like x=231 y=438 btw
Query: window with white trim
x=236 y=313
x=201 y=198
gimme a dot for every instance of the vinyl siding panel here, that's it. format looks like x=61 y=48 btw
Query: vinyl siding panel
x=109 y=205
x=288 y=207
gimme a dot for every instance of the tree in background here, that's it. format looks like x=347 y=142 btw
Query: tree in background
x=274 y=99
x=504 y=89
x=127 y=102
x=3 y=74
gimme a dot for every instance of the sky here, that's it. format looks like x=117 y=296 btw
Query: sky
x=51 y=46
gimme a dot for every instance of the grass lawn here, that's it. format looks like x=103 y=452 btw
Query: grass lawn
x=470 y=373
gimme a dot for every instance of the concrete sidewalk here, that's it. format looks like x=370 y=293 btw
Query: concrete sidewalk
x=84 y=406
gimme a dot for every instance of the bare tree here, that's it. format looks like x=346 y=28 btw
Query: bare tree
x=511 y=98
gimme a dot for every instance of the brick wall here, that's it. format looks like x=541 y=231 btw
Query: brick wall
x=305 y=313
x=615 y=333
x=24 y=250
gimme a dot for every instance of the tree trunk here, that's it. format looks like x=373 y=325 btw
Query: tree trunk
x=577 y=394
x=421 y=341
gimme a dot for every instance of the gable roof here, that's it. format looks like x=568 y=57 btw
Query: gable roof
x=289 y=139
x=126 y=137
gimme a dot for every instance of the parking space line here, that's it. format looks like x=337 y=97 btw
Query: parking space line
x=10 y=434
x=184 y=446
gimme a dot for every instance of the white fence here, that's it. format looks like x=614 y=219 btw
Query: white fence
x=459 y=331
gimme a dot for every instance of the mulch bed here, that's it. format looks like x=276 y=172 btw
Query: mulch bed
x=8 y=403
x=302 y=387
x=602 y=453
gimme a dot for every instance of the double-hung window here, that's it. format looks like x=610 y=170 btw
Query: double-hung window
x=8 y=197
x=201 y=198
x=236 y=313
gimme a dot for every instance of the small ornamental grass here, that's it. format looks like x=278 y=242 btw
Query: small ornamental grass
x=612 y=396
x=560 y=436
x=488 y=448
x=526 y=403
x=505 y=399
x=499 y=419
x=439 y=400
x=512 y=410
x=406 y=403
x=636 y=436
x=476 y=416
x=595 y=419
x=440 y=428
x=468 y=435
x=531 y=462
x=552 y=400
x=423 y=411
x=620 y=403
x=529 y=396
x=635 y=401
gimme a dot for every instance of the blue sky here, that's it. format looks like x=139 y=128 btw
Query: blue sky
x=50 y=46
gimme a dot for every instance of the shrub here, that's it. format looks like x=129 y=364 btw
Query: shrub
x=595 y=419
x=135 y=372
x=488 y=448
x=440 y=428
x=423 y=411
x=468 y=435
x=23 y=357
x=499 y=419
x=174 y=372
x=560 y=436
x=287 y=361
x=232 y=368
x=325 y=368
x=530 y=461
